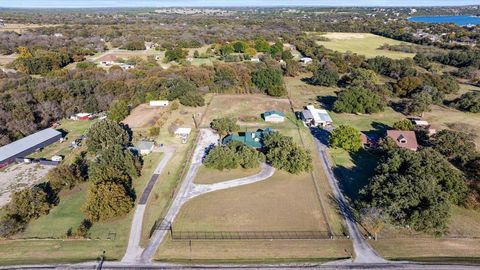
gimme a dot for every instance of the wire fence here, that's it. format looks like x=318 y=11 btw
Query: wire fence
x=251 y=235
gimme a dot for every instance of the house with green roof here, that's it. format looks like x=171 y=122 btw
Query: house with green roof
x=253 y=139
x=273 y=116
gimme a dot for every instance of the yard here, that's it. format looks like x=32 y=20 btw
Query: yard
x=110 y=237
x=211 y=176
x=362 y=43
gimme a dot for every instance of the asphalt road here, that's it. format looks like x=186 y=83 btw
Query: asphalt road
x=364 y=253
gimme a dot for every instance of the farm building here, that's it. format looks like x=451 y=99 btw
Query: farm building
x=306 y=60
x=404 y=139
x=273 y=116
x=108 y=60
x=313 y=117
x=158 y=103
x=28 y=145
x=81 y=116
x=145 y=147
x=249 y=138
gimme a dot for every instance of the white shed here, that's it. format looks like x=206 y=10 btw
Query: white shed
x=158 y=103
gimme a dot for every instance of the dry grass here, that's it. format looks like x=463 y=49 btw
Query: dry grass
x=144 y=116
x=284 y=202
x=254 y=251
x=244 y=107
x=427 y=248
x=20 y=28
x=363 y=44
x=211 y=176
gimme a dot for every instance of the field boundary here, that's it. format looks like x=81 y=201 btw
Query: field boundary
x=251 y=235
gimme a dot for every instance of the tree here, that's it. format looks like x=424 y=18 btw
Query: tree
x=269 y=80
x=176 y=54
x=107 y=200
x=65 y=176
x=276 y=50
x=135 y=45
x=250 y=51
x=29 y=203
x=248 y=158
x=262 y=45
x=118 y=111
x=221 y=157
x=226 y=49
x=104 y=134
x=373 y=220
x=325 y=77
x=283 y=153
x=415 y=189
x=419 y=104
x=346 y=137
x=407 y=85
x=404 y=124
x=291 y=68
x=358 y=100
x=468 y=102
x=225 y=125
x=361 y=77
x=119 y=160
x=456 y=146
x=192 y=99
x=240 y=46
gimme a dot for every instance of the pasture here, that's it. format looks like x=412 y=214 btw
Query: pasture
x=361 y=43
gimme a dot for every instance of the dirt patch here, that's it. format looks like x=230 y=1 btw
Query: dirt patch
x=344 y=36
x=144 y=116
x=19 y=176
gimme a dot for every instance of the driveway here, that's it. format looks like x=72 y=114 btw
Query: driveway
x=134 y=250
x=189 y=190
x=364 y=253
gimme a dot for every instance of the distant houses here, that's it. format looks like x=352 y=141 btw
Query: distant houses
x=28 y=145
x=404 y=139
x=112 y=60
x=253 y=139
x=273 y=116
x=313 y=117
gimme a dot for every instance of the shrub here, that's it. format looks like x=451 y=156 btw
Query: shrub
x=325 y=77
x=192 y=99
x=224 y=125
x=358 y=100
x=468 y=102
x=404 y=124
x=346 y=137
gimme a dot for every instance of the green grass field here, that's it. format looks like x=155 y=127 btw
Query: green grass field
x=363 y=44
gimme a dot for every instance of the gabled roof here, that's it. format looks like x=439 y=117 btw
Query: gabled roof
x=409 y=138
x=249 y=138
x=26 y=143
x=145 y=145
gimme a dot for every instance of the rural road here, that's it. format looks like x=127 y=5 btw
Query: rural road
x=133 y=249
x=189 y=190
x=364 y=253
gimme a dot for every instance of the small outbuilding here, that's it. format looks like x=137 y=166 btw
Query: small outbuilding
x=306 y=60
x=273 y=116
x=81 y=116
x=183 y=133
x=145 y=147
x=158 y=103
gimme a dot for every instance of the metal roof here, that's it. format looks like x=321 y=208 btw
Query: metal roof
x=26 y=143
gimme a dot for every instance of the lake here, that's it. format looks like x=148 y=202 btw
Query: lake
x=459 y=20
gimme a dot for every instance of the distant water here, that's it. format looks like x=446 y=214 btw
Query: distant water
x=459 y=20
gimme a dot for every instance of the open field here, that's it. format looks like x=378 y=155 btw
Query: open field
x=429 y=249
x=254 y=251
x=246 y=108
x=211 y=176
x=284 y=202
x=363 y=44
x=20 y=28
x=144 y=116
x=18 y=176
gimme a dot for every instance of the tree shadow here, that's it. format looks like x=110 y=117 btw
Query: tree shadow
x=353 y=179
x=397 y=106
x=321 y=134
x=327 y=101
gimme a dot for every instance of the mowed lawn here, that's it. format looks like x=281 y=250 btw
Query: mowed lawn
x=111 y=237
x=363 y=44
x=211 y=176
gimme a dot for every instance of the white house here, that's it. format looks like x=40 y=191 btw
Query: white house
x=316 y=117
x=145 y=147
x=255 y=59
x=306 y=60
x=158 y=103
x=274 y=116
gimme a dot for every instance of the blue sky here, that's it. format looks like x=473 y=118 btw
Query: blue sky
x=236 y=3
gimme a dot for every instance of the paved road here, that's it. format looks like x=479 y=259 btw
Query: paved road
x=364 y=253
x=118 y=265
x=134 y=250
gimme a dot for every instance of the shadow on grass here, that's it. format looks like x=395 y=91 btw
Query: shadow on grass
x=354 y=179
x=327 y=101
